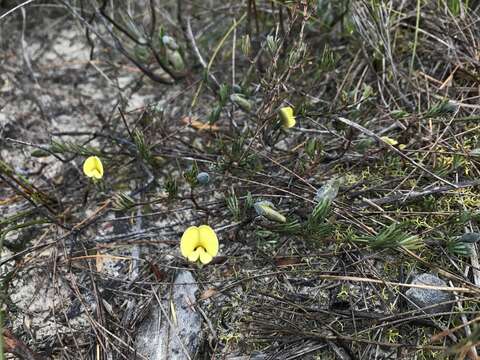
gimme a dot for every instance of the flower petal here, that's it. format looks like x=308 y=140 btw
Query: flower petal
x=193 y=256
x=208 y=240
x=93 y=167
x=287 y=117
x=96 y=174
x=389 y=140
x=205 y=257
x=190 y=240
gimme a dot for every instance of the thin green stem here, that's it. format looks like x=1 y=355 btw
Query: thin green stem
x=417 y=27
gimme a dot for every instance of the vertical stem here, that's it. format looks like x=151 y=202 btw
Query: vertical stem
x=2 y=355
x=417 y=26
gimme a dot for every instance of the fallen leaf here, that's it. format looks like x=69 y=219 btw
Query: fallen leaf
x=287 y=260
x=99 y=262
x=197 y=124
x=159 y=274
x=208 y=293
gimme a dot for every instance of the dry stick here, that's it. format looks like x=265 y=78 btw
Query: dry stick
x=476 y=280
x=215 y=53
x=468 y=332
x=314 y=334
x=196 y=51
x=472 y=288
x=289 y=171
x=329 y=277
x=18 y=347
x=394 y=149
x=391 y=283
x=174 y=329
x=412 y=195
x=16 y=8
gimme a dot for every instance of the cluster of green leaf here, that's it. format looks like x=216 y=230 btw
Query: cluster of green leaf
x=393 y=236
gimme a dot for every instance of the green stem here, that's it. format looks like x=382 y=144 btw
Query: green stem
x=417 y=27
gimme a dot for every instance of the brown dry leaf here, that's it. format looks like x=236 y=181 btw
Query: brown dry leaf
x=197 y=124
x=99 y=261
x=159 y=274
x=439 y=336
x=208 y=293
x=288 y=260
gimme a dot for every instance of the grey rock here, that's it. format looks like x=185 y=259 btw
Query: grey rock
x=256 y=355
x=470 y=238
x=161 y=338
x=428 y=297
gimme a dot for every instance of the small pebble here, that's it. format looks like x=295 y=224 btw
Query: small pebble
x=470 y=238
x=428 y=297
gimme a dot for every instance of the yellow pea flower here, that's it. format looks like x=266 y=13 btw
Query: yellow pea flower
x=92 y=167
x=199 y=243
x=389 y=140
x=287 y=117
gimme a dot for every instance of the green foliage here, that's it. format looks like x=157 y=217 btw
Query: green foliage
x=122 y=201
x=327 y=59
x=313 y=148
x=233 y=205
x=67 y=147
x=291 y=227
x=190 y=175
x=442 y=108
x=142 y=147
x=392 y=236
x=171 y=187
x=459 y=248
x=317 y=226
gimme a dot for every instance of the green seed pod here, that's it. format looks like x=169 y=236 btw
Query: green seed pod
x=329 y=191
x=240 y=100
x=39 y=153
x=266 y=209
x=169 y=42
x=176 y=59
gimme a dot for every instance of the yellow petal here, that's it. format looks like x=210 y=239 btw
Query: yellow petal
x=389 y=140
x=208 y=240
x=205 y=257
x=193 y=256
x=190 y=241
x=286 y=114
x=93 y=167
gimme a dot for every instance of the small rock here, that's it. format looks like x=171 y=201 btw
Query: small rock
x=428 y=297
x=157 y=340
x=470 y=238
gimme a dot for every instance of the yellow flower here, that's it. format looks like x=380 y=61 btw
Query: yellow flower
x=92 y=167
x=199 y=243
x=287 y=117
x=389 y=140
